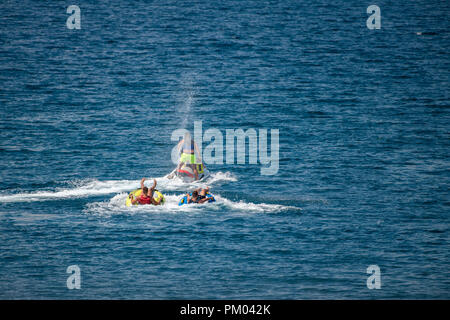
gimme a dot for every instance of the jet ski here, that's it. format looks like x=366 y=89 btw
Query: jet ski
x=186 y=173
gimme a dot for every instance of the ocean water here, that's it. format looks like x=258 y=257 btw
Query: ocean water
x=363 y=118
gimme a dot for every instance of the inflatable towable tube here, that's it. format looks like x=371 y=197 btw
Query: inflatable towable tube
x=186 y=173
x=208 y=195
x=136 y=193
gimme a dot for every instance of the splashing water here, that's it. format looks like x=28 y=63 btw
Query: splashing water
x=185 y=109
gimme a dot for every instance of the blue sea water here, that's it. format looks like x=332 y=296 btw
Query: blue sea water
x=364 y=172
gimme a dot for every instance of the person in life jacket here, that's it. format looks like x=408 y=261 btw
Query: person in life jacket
x=189 y=153
x=198 y=196
x=146 y=196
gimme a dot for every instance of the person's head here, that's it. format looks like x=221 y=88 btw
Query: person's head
x=194 y=194
x=187 y=136
x=145 y=190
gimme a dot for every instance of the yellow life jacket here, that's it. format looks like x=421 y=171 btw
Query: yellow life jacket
x=136 y=193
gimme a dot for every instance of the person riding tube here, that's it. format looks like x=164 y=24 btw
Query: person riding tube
x=147 y=195
x=198 y=196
